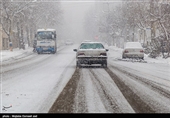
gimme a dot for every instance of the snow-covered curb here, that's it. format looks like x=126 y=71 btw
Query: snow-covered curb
x=7 y=55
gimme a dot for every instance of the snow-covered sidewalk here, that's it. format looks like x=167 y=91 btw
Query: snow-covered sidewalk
x=15 y=54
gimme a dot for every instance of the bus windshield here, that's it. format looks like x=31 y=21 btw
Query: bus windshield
x=44 y=35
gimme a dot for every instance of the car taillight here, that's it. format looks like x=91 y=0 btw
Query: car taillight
x=126 y=51
x=79 y=54
x=103 y=54
x=141 y=51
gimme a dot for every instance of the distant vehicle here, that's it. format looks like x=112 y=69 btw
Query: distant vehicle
x=91 y=53
x=46 y=41
x=69 y=42
x=133 y=50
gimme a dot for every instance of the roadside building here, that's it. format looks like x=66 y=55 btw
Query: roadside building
x=4 y=41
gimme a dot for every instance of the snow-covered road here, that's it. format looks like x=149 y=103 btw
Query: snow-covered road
x=29 y=84
x=101 y=93
x=33 y=84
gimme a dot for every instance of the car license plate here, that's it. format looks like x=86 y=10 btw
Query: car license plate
x=95 y=58
x=135 y=55
x=45 y=48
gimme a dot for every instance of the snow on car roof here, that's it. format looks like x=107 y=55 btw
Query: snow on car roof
x=46 y=30
x=91 y=42
x=133 y=45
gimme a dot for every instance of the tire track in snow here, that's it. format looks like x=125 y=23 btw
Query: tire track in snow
x=99 y=93
x=110 y=92
x=96 y=92
x=27 y=60
x=79 y=101
x=65 y=101
x=142 y=98
x=134 y=100
x=24 y=64
x=93 y=99
x=151 y=84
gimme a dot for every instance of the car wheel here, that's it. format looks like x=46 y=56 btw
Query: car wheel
x=53 y=52
x=38 y=52
x=123 y=57
x=78 y=64
x=104 y=64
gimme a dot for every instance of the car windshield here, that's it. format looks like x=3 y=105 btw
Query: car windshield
x=44 y=35
x=91 y=46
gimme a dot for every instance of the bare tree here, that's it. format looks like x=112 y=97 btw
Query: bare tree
x=26 y=16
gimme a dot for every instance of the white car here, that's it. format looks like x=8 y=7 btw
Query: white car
x=133 y=50
x=69 y=42
x=91 y=53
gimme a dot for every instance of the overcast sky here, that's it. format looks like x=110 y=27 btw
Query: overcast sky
x=74 y=13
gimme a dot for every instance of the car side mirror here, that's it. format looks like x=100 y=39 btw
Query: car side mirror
x=75 y=50
x=52 y=36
